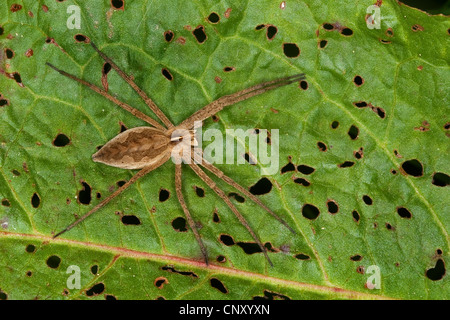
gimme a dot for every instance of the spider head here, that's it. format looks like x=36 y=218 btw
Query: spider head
x=182 y=142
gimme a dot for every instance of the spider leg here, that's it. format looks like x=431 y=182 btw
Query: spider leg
x=187 y=213
x=222 y=195
x=149 y=102
x=219 y=174
x=219 y=104
x=133 y=179
x=121 y=104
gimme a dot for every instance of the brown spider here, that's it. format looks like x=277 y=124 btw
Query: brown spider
x=147 y=148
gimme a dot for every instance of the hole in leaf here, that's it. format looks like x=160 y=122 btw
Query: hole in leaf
x=328 y=26
x=53 y=262
x=120 y=183
x=356 y=258
x=61 y=140
x=216 y=218
x=269 y=247
x=229 y=69
x=413 y=167
x=84 y=195
x=35 y=200
x=310 y=211
x=355 y=215
x=3 y=102
x=302 y=256
x=359 y=154
x=379 y=111
x=389 y=226
x=249 y=247
x=213 y=18
x=353 y=132
x=221 y=259
x=199 y=34
x=360 y=104
x=367 y=200
x=179 y=224
x=199 y=191
x=347 y=32
x=346 y=164
x=123 y=127
x=94 y=269
x=6 y=203
x=323 y=43
x=438 y=272
x=260 y=26
x=31 y=248
x=16 y=173
x=322 y=146
x=130 y=220
x=304 y=85
x=95 y=290
x=440 y=179
x=226 y=240
x=168 y=35
x=302 y=182
x=332 y=206
x=117 y=4
x=303 y=168
x=271 y=32
x=291 y=50
x=404 y=213
x=81 y=38
x=237 y=197
x=160 y=281
x=163 y=195
x=216 y=283
x=269 y=295
x=17 y=78
x=183 y=273
x=263 y=186
x=166 y=73
x=249 y=159
x=358 y=81
x=287 y=168
x=9 y=53
x=389 y=32
x=106 y=68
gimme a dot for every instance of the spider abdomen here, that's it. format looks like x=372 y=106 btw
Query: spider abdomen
x=134 y=148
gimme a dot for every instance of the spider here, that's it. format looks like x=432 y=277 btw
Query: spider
x=148 y=147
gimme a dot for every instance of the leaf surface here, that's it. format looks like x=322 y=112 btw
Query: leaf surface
x=363 y=151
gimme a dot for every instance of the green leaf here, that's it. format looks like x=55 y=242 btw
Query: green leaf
x=363 y=146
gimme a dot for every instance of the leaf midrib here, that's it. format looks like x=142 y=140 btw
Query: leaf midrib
x=117 y=252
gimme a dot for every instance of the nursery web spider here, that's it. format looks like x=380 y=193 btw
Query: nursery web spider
x=147 y=148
